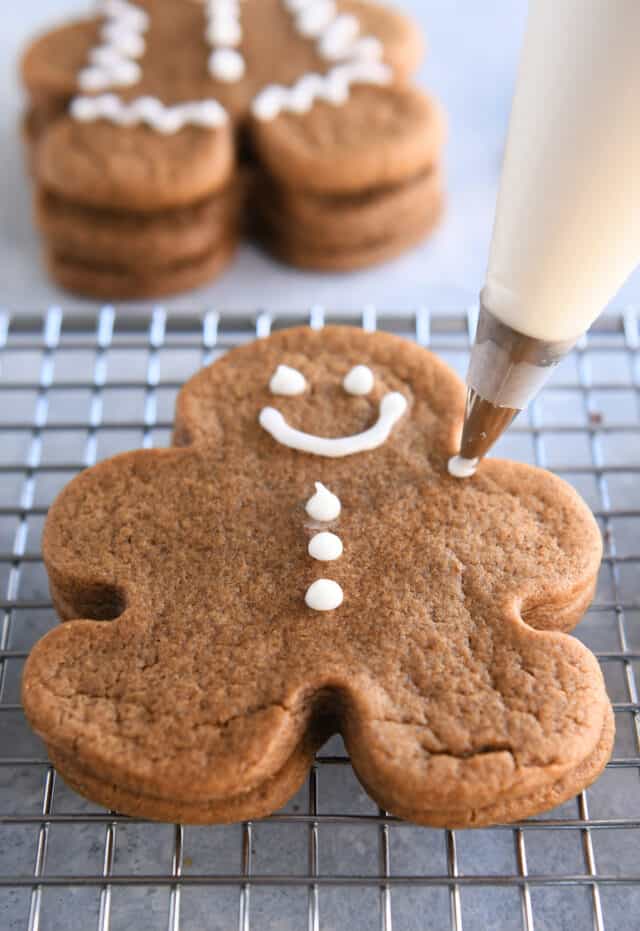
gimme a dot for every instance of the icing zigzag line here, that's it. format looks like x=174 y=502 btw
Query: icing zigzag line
x=113 y=64
x=333 y=87
x=165 y=119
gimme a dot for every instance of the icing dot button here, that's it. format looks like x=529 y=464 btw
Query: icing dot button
x=226 y=64
x=325 y=546
x=287 y=381
x=324 y=505
x=324 y=595
x=359 y=380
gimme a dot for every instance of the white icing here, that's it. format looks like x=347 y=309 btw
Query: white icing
x=367 y=48
x=338 y=39
x=149 y=110
x=295 y=6
x=392 y=407
x=324 y=595
x=323 y=505
x=325 y=546
x=223 y=31
x=287 y=381
x=359 y=380
x=337 y=34
x=226 y=64
x=460 y=467
x=112 y=64
x=224 y=35
x=126 y=14
x=124 y=39
x=314 y=18
x=332 y=87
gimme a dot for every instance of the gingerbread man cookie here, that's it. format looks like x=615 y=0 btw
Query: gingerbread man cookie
x=160 y=129
x=300 y=563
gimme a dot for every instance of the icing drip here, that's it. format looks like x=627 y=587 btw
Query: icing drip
x=332 y=87
x=149 y=110
x=359 y=380
x=460 y=467
x=112 y=64
x=324 y=505
x=224 y=34
x=287 y=381
x=325 y=547
x=324 y=595
x=392 y=407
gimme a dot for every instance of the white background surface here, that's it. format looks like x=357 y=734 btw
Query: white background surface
x=473 y=51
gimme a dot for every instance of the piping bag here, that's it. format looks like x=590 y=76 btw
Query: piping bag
x=567 y=227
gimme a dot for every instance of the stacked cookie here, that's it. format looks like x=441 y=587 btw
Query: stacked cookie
x=130 y=227
x=341 y=194
x=136 y=116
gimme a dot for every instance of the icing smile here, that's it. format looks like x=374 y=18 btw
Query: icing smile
x=392 y=407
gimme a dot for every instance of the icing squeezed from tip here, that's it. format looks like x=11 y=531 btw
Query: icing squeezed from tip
x=287 y=381
x=323 y=506
x=459 y=467
x=324 y=595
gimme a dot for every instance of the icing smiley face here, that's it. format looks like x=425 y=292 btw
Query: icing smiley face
x=358 y=381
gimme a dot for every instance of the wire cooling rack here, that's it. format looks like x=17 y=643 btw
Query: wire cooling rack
x=74 y=390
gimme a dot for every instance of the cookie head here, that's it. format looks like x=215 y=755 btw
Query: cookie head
x=330 y=401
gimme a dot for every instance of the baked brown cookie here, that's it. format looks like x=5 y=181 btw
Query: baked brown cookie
x=301 y=562
x=133 y=239
x=123 y=280
x=140 y=109
x=332 y=252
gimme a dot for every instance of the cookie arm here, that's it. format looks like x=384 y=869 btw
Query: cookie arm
x=541 y=548
x=50 y=64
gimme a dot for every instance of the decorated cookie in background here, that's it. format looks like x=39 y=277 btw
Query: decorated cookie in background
x=302 y=562
x=135 y=116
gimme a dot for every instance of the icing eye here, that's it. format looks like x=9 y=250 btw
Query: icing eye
x=287 y=381
x=359 y=380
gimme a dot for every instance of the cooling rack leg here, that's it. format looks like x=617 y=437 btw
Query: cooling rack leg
x=313 y=922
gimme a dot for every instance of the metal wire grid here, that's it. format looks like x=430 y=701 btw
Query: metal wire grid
x=576 y=867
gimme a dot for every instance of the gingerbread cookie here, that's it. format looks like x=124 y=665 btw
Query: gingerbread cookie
x=139 y=111
x=301 y=562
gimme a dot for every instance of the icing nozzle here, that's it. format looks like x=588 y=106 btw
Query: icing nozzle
x=484 y=423
x=506 y=370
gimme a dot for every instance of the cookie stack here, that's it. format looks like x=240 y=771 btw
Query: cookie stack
x=128 y=226
x=136 y=117
x=346 y=190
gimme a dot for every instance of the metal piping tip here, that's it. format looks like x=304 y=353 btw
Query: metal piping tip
x=484 y=423
x=506 y=370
